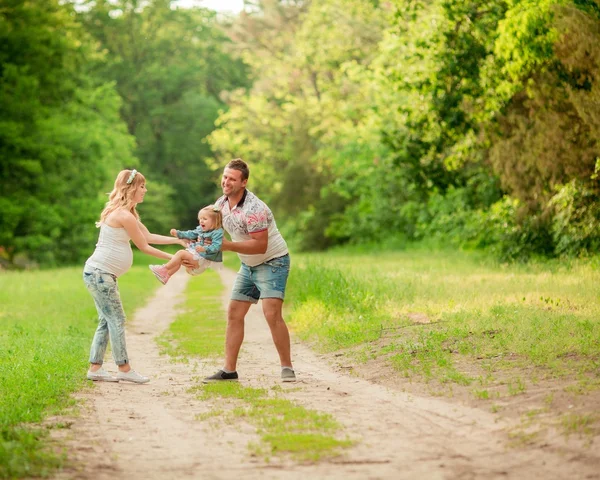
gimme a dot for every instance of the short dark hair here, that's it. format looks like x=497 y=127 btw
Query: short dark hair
x=240 y=165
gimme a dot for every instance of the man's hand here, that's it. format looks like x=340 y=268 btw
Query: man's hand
x=208 y=242
x=225 y=245
x=188 y=264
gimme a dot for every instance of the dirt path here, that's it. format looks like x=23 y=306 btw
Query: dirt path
x=149 y=431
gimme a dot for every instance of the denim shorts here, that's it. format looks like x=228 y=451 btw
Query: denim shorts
x=267 y=280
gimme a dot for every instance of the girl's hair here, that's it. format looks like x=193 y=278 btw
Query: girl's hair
x=126 y=185
x=214 y=213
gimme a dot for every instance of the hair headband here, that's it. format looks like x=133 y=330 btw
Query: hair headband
x=132 y=176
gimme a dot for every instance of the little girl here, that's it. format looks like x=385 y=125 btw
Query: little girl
x=211 y=226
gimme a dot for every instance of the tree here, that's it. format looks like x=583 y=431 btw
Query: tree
x=61 y=137
x=170 y=67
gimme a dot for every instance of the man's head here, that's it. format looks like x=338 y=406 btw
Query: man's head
x=240 y=165
x=235 y=178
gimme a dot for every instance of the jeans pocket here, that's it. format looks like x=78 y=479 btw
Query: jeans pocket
x=106 y=282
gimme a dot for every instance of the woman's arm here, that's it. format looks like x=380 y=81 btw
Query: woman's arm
x=132 y=227
x=157 y=239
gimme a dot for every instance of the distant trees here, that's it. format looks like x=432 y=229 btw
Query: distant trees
x=90 y=90
x=170 y=67
x=470 y=123
x=60 y=132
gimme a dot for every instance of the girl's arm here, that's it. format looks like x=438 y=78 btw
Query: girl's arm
x=132 y=227
x=188 y=234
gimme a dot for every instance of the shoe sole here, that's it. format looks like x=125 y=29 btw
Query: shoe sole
x=218 y=380
x=103 y=379
x=133 y=381
x=288 y=379
x=159 y=277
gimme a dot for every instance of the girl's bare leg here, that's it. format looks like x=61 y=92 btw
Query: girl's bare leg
x=175 y=263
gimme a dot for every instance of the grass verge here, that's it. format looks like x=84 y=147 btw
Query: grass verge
x=48 y=321
x=452 y=317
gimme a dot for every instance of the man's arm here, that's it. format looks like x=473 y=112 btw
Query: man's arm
x=257 y=245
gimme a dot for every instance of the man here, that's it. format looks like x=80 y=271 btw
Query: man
x=263 y=274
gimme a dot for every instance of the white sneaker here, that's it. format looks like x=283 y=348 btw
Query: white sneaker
x=101 y=375
x=132 y=376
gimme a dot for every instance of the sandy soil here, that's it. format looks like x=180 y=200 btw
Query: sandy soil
x=150 y=431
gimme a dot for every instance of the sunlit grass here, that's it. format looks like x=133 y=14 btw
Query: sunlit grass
x=231 y=260
x=48 y=320
x=200 y=329
x=283 y=426
x=427 y=309
x=577 y=424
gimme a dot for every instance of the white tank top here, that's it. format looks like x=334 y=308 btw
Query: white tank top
x=113 y=251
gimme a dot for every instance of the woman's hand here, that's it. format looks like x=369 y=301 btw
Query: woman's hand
x=184 y=242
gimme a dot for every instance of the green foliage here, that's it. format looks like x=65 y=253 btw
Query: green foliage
x=475 y=123
x=547 y=134
x=575 y=226
x=450 y=121
x=60 y=133
x=301 y=107
x=170 y=66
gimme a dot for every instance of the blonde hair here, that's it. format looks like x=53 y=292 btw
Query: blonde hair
x=214 y=213
x=123 y=192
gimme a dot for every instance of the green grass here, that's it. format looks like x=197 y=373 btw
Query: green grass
x=433 y=312
x=200 y=329
x=581 y=425
x=48 y=320
x=231 y=260
x=283 y=426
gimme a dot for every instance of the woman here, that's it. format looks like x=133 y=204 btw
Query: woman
x=119 y=223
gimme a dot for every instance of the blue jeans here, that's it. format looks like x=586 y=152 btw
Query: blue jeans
x=267 y=280
x=111 y=317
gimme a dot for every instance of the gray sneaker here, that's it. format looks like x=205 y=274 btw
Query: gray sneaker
x=101 y=375
x=288 y=374
x=132 y=376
